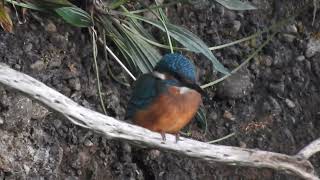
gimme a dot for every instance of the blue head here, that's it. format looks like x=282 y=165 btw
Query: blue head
x=178 y=66
x=181 y=68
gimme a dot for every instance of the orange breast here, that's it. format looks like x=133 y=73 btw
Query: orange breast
x=169 y=112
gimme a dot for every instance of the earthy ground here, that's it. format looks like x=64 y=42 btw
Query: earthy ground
x=273 y=103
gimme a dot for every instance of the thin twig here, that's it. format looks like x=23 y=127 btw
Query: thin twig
x=119 y=62
x=221 y=139
x=108 y=63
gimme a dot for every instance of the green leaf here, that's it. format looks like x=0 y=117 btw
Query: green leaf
x=50 y=4
x=25 y=5
x=75 y=16
x=187 y=39
x=236 y=5
x=117 y=3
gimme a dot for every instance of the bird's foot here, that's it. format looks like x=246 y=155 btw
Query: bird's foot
x=177 y=137
x=163 y=135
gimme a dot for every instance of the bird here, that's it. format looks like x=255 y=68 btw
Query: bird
x=166 y=99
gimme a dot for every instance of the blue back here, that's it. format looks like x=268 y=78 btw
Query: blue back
x=148 y=87
x=179 y=64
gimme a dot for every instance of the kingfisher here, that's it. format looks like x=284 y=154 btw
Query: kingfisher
x=166 y=100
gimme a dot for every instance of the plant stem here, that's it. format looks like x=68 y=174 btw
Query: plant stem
x=95 y=53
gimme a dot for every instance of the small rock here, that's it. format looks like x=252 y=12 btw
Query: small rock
x=229 y=15
x=1 y=120
x=26 y=168
x=38 y=66
x=313 y=47
x=289 y=135
x=277 y=88
x=266 y=60
x=75 y=84
x=289 y=37
x=56 y=62
x=213 y=115
x=51 y=27
x=236 y=25
x=290 y=103
x=59 y=41
x=242 y=144
x=154 y=154
x=292 y=28
x=57 y=123
x=228 y=115
x=17 y=66
x=236 y=86
x=292 y=119
x=27 y=48
x=38 y=111
x=300 y=58
x=200 y=4
x=18 y=116
x=275 y=106
x=126 y=147
x=88 y=143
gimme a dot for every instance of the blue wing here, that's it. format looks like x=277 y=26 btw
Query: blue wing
x=144 y=91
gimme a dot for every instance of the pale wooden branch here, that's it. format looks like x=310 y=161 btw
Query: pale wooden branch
x=310 y=149
x=113 y=128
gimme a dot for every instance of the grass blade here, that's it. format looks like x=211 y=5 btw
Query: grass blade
x=236 y=5
x=75 y=16
x=187 y=39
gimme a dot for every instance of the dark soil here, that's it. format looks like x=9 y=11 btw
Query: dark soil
x=273 y=103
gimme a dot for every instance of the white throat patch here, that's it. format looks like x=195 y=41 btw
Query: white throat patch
x=159 y=75
x=184 y=90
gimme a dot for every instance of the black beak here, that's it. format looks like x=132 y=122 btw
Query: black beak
x=197 y=88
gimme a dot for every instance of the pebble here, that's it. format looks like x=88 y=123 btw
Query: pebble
x=88 y=143
x=229 y=15
x=301 y=58
x=1 y=120
x=17 y=66
x=290 y=103
x=59 y=41
x=55 y=63
x=75 y=84
x=213 y=115
x=236 y=25
x=236 y=86
x=266 y=60
x=51 y=27
x=313 y=47
x=292 y=28
x=154 y=154
x=27 y=48
x=57 y=123
x=289 y=37
x=228 y=115
x=242 y=144
x=275 y=106
x=38 y=111
x=38 y=65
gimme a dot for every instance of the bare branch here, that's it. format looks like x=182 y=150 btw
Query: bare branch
x=113 y=128
x=310 y=149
